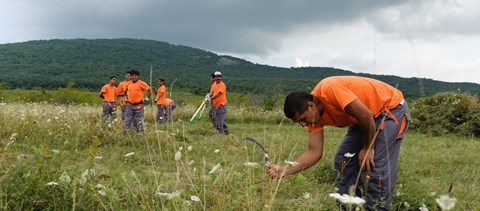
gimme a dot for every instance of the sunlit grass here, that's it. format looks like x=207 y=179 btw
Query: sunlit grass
x=189 y=167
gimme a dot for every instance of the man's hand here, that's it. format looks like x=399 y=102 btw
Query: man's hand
x=277 y=171
x=208 y=97
x=369 y=159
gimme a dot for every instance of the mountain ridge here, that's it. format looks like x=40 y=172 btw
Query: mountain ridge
x=88 y=63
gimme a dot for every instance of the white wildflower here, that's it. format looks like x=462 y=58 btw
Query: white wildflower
x=170 y=195
x=432 y=193
x=292 y=163
x=216 y=151
x=189 y=148
x=65 y=178
x=346 y=199
x=446 y=202
x=102 y=192
x=349 y=155
x=195 y=198
x=191 y=162
x=13 y=137
x=99 y=186
x=252 y=164
x=406 y=204
x=129 y=154
x=423 y=208
x=214 y=169
x=178 y=155
x=98 y=157
x=194 y=169
x=306 y=195
x=180 y=149
x=52 y=184
x=55 y=151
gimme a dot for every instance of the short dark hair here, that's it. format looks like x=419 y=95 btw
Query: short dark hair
x=127 y=72
x=134 y=72
x=296 y=102
x=161 y=79
x=113 y=76
x=212 y=75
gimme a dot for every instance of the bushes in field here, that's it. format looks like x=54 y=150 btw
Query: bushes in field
x=447 y=113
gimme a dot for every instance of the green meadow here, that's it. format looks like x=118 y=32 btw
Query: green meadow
x=56 y=156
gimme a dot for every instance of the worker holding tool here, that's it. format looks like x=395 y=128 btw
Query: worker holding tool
x=218 y=95
x=377 y=117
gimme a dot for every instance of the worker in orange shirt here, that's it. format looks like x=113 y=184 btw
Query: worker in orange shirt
x=120 y=93
x=170 y=106
x=134 y=92
x=161 y=100
x=107 y=93
x=366 y=106
x=218 y=95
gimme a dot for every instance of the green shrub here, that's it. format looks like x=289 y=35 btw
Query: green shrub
x=444 y=113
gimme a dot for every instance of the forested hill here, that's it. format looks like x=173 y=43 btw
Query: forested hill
x=88 y=63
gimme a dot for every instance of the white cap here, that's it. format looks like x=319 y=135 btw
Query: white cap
x=217 y=73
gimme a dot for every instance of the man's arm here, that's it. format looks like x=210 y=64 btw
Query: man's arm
x=365 y=121
x=310 y=157
x=215 y=95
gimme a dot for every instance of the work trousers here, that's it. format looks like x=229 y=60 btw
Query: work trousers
x=220 y=114
x=376 y=188
x=134 y=115
x=108 y=110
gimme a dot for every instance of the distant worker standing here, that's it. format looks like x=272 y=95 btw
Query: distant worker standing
x=218 y=95
x=135 y=95
x=120 y=94
x=161 y=100
x=107 y=93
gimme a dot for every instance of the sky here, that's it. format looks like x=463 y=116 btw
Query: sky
x=436 y=39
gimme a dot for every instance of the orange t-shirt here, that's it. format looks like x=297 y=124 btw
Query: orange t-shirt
x=121 y=88
x=222 y=98
x=162 y=99
x=109 y=93
x=336 y=92
x=135 y=91
x=168 y=100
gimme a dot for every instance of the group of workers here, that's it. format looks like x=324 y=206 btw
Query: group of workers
x=366 y=106
x=130 y=93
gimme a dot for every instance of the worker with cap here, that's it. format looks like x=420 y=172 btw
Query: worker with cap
x=218 y=93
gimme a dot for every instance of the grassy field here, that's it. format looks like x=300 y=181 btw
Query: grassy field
x=62 y=157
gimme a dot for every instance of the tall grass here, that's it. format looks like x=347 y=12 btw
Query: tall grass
x=183 y=166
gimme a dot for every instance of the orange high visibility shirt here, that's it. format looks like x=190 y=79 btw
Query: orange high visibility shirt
x=121 y=87
x=336 y=92
x=135 y=91
x=109 y=93
x=168 y=101
x=219 y=87
x=162 y=99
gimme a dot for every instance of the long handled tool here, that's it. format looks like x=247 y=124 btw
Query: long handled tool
x=198 y=110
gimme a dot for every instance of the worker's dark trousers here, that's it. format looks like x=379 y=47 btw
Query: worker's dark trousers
x=378 y=187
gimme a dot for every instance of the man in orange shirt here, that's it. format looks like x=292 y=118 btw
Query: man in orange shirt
x=170 y=106
x=218 y=94
x=161 y=100
x=121 y=97
x=364 y=105
x=135 y=95
x=107 y=93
